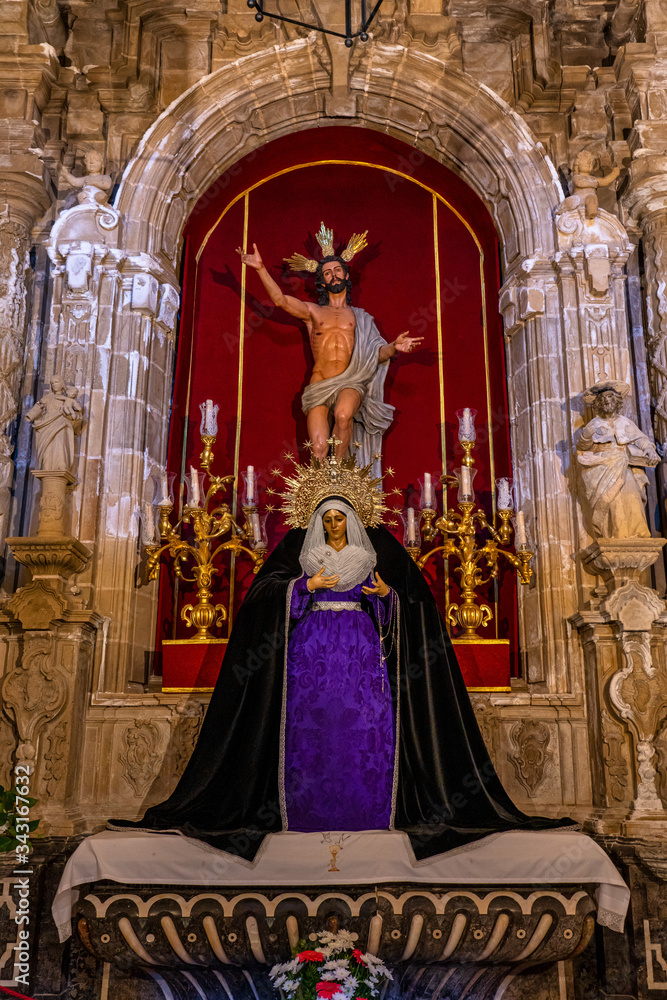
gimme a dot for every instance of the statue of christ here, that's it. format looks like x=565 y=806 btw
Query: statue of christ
x=350 y=357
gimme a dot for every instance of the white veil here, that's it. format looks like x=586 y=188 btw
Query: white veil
x=353 y=563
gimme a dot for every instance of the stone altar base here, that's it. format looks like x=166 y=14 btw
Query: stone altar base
x=97 y=963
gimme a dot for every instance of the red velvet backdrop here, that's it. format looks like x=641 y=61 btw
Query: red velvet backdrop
x=430 y=267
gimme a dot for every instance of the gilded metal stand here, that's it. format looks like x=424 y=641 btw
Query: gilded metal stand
x=463 y=525
x=207 y=525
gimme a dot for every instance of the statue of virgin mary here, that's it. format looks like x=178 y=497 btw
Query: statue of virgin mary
x=340 y=705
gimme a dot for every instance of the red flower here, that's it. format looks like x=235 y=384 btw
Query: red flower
x=327 y=990
x=359 y=955
x=311 y=956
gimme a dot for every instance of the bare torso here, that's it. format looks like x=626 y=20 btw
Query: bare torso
x=331 y=333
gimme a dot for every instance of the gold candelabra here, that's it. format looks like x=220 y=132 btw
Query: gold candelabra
x=459 y=530
x=209 y=521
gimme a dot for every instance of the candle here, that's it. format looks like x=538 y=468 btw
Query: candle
x=467 y=425
x=256 y=531
x=209 y=418
x=149 y=524
x=504 y=494
x=250 y=490
x=428 y=490
x=165 y=488
x=194 y=487
x=412 y=535
x=520 y=530
x=466 y=481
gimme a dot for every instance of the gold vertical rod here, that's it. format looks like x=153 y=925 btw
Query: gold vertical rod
x=441 y=373
x=239 y=410
x=178 y=485
x=489 y=422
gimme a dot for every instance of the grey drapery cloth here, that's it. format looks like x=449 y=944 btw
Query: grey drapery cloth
x=353 y=563
x=365 y=374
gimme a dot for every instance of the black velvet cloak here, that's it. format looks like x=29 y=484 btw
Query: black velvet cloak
x=448 y=791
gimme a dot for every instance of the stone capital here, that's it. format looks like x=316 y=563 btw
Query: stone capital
x=51 y=558
x=621 y=562
x=646 y=193
x=24 y=192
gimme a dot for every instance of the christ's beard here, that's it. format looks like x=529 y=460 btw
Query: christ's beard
x=337 y=286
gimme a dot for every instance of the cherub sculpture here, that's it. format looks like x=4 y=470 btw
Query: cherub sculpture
x=584 y=185
x=96 y=185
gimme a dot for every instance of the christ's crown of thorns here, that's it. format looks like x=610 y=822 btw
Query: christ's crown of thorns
x=325 y=238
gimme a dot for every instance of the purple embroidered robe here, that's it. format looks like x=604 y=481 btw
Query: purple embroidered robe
x=339 y=725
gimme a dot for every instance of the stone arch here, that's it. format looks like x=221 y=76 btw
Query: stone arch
x=462 y=124
x=437 y=109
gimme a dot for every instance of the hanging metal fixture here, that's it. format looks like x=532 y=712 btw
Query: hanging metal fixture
x=348 y=34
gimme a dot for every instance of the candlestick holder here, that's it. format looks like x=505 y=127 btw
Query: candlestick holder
x=459 y=529
x=209 y=521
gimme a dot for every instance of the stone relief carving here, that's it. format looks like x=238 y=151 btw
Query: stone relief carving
x=614 y=761
x=186 y=732
x=487 y=720
x=612 y=453
x=56 y=419
x=655 y=247
x=33 y=693
x=14 y=266
x=660 y=744
x=6 y=479
x=531 y=739
x=56 y=765
x=638 y=691
x=599 y=241
x=141 y=759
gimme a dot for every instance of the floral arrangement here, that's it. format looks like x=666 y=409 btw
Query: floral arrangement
x=335 y=970
x=10 y=814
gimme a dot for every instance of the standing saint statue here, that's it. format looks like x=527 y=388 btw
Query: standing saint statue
x=350 y=357
x=612 y=453
x=56 y=419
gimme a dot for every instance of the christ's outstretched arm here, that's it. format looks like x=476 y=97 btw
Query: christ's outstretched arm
x=403 y=344
x=295 y=307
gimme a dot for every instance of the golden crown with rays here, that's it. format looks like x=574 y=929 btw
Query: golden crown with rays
x=325 y=238
x=308 y=485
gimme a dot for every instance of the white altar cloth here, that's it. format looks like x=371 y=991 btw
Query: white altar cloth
x=377 y=856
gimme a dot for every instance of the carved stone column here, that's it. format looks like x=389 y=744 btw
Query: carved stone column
x=14 y=294
x=566 y=327
x=111 y=333
x=654 y=227
x=47 y=646
x=646 y=201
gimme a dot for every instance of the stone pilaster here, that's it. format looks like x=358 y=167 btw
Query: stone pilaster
x=111 y=333
x=622 y=633
x=654 y=226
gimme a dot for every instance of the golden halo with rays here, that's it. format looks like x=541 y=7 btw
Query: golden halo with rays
x=309 y=485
